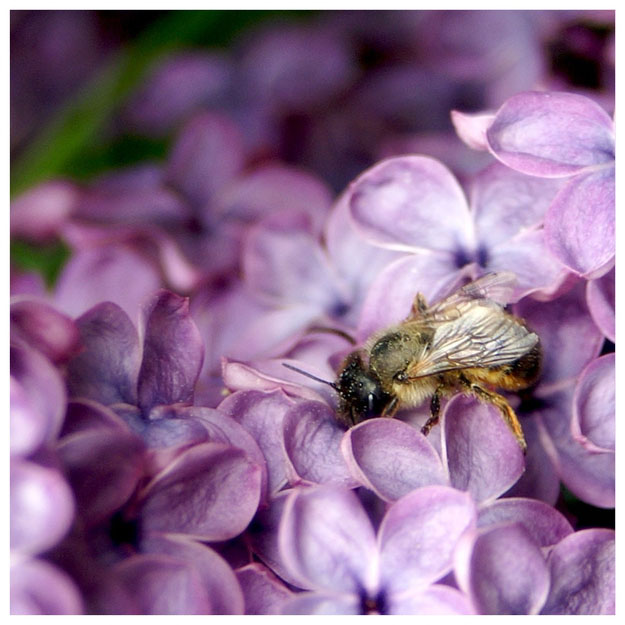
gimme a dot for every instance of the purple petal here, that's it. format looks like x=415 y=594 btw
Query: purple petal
x=101 y=274
x=217 y=578
x=544 y=523
x=164 y=585
x=507 y=203
x=38 y=587
x=305 y=603
x=582 y=573
x=392 y=458
x=432 y=517
x=568 y=335
x=587 y=474
x=436 y=599
x=312 y=439
x=38 y=399
x=39 y=213
x=551 y=134
x=472 y=127
x=593 y=423
x=208 y=154
x=103 y=467
x=409 y=203
x=172 y=352
x=580 y=224
x=281 y=255
x=84 y=415
x=600 y=299
x=483 y=456
x=43 y=328
x=42 y=507
x=209 y=492
x=264 y=593
x=327 y=541
x=106 y=370
x=503 y=570
x=261 y=414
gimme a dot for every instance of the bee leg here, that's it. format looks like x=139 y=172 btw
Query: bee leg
x=419 y=306
x=435 y=409
x=391 y=408
x=504 y=407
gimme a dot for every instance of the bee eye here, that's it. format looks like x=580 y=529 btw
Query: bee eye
x=400 y=377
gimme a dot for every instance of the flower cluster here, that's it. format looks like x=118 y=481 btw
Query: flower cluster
x=163 y=459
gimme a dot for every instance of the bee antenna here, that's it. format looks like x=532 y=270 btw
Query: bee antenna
x=310 y=375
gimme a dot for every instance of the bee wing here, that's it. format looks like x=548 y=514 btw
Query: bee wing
x=496 y=287
x=480 y=337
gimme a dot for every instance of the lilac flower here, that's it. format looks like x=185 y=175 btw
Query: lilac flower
x=567 y=136
x=329 y=545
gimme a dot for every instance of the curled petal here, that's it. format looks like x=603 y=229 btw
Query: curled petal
x=551 y=134
x=582 y=573
x=264 y=593
x=472 y=127
x=42 y=507
x=432 y=518
x=503 y=570
x=580 y=224
x=106 y=369
x=593 y=423
x=544 y=523
x=600 y=299
x=172 y=352
x=209 y=492
x=409 y=203
x=327 y=541
x=483 y=456
x=392 y=458
x=38 y=587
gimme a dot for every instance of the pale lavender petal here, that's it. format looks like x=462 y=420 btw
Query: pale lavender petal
x=284 y=263
x=392 y=458
x=551 y=134
x=262 y=414
x=410 y=203
x=588 y=475
x=103 y=468
x=472 y=127
x=538 y=271
x=600 y=299
x=163 y=584
x=306 y=603
x=483 y=456
x=168 y=436
x=432 y=517
x=275 y=187
x=38 y=587
x=327 y=541
x=580 y=224
x=505 y=203
x=544 y=523
x=392 y=293
x=44 y=328
x=436 y=599
x=209 y=492
x=582 y=569
x=312 y=439
x=39 y=213
x=503 y=570
x=568 y=335
x=107 y=368
x=42 y=507
x=208 y=154
x=39 y=395
x=172 y=352
x=263 y=592
x=217 y=578
x=102 y=274
x=593 y=423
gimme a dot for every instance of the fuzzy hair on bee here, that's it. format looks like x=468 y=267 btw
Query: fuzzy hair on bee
x=465 y=343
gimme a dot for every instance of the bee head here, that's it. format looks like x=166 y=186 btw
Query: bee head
x=360 y=391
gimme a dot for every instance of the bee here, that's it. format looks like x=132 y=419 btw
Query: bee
x=466 y=343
